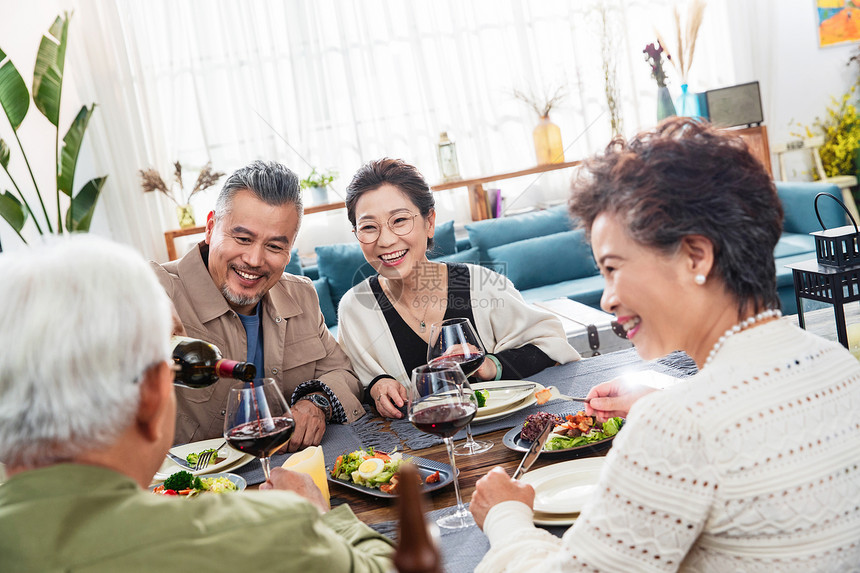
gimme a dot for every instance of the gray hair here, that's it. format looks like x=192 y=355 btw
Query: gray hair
x=82 y=320
x=271 y=182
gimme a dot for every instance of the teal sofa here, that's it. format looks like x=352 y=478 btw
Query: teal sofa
x=546 y=258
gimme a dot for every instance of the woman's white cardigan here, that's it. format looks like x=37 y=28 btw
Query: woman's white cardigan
x=502 y=318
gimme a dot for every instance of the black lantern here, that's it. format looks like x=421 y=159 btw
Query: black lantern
x=832 y=279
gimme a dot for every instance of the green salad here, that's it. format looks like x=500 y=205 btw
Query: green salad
x=596 y=434
x=368 y=468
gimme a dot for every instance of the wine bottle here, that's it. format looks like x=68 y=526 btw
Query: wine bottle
x=200 y=364
x=416 y=552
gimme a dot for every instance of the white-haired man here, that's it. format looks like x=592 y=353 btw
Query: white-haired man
x=87 y=412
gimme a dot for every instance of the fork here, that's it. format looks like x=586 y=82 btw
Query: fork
x=555 y=394
x=205 y=457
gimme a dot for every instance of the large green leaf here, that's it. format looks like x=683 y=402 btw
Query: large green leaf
x=14 y=96
x=48 y=73
x=71 y=148
x=80 y=212
x=13 y=211
x=4 y=154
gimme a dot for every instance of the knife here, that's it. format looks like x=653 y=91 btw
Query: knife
x=179 y=461
x=510 y=387
x=534 y=451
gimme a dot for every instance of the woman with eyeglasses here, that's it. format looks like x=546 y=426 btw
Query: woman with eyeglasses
x=384 y=321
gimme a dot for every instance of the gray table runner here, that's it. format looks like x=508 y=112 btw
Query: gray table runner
x=575 y=378
x=461 y=549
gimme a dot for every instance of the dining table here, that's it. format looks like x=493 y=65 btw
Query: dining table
x=461 y=550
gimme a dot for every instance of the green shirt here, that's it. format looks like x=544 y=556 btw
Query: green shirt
x=85 y=518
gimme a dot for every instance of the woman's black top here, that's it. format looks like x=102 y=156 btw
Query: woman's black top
x=517 y=363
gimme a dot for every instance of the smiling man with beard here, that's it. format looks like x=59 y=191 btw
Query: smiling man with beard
x=231 y=290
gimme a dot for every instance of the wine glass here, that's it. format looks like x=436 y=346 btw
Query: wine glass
x=454 y=341
x=441 y=402
x=258 y=420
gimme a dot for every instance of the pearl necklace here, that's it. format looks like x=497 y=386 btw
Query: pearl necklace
x=743 y=325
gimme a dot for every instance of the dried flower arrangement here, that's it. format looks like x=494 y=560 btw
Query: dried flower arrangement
x=151 y=180
x=654 y=57
x=609 y=35
x=542 y=103
x=686 y=42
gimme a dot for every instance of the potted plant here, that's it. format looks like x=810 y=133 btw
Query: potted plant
x=150 y=181
x=15 y=101
x=318 y=182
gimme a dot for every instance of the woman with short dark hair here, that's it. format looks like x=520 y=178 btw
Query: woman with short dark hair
x=751 y=464
x=384 y=321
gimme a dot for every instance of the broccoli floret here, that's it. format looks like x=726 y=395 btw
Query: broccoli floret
x=481 y=397
x=179 y=481
x=194 y=456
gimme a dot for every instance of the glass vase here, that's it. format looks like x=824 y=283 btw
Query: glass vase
x=548 y=146
x=687 y=104
x=185 y=215
x=665 y=107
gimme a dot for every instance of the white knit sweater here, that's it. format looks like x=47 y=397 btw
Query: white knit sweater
x=751 y=465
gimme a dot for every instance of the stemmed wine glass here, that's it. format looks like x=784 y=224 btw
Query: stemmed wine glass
x=258 y=420
x=454 y=341
x=441 y=402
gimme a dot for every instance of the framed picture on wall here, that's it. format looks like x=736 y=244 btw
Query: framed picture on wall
x=838 y=21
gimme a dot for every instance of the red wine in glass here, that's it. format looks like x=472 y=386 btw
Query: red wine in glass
x=258 y=419
x=255 y=439
x=445 y=420
x=468 y=362
x=454 y=341
x=441 y=402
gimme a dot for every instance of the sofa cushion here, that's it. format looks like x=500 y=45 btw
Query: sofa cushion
x=494 y=232
x=798 y=198
x=793 y=244
x=444 y=241
x=295 y=265
x=545 y=260
x=586 y=290
x=326 y=304
x=344 y=266
x=468 y=256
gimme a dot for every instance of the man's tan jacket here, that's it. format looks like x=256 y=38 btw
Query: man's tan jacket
x=297 y=346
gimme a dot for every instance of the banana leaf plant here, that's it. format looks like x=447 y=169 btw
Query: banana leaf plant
x=46 y=94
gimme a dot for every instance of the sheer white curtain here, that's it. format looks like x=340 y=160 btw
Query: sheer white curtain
x=335 y=83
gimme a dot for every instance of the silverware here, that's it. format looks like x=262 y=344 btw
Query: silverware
x=510 y=387
x=556 y=395
x=534 y=451
x=179 y=461
x=202 y=460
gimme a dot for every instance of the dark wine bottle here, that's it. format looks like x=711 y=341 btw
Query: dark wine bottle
x=416 y=552
x=200 y=364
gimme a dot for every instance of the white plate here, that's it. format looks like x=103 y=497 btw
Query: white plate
x=554 y=520
x=169 y=467
x=236 y=479
x=499 y=400
x=565 y=487
x=515 y=407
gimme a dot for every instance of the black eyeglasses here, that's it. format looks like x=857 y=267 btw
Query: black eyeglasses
x=399 y=223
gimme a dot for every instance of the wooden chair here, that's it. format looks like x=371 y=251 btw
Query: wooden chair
x=812 y=144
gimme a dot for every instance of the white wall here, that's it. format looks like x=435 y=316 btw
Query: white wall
x=777 y=44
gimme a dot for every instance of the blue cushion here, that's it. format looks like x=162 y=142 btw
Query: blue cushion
x=586 y=290
x=494 y=232
x=295 y=265
x=798 y=199
x=793 y=244
x=326 y=304
x=444 y=241
x=344 y=266
x=545 y=260
x=468 y=256
x=312 y=272
x=463 y=244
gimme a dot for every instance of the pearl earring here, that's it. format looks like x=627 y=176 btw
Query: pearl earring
x=700 y=279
